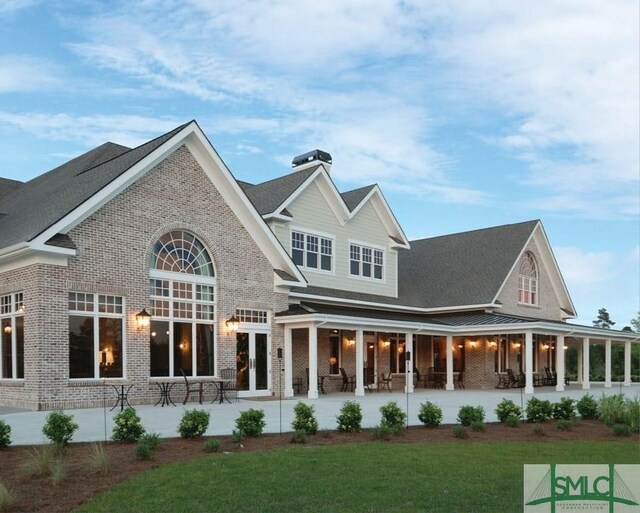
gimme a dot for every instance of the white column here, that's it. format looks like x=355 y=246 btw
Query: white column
x=607 y=363
x=627 y=363
x=528 y=362
x=313 y=362
x=560 y=370
x=288 y=362
x=359 y=362
x=579 y=365
x=586 y=384
x=449 y=385
x=408 y=386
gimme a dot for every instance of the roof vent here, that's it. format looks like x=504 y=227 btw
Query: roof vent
x=312 y=158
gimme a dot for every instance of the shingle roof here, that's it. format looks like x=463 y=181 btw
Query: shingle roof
x=452 y=270
x=353 y=198
x=267 y=196
x=41 y=202
x=7 y=186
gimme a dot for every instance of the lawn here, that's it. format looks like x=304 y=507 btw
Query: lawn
x=367 y=477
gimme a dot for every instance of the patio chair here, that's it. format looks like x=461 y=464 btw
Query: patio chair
x=551 y=378
x=192 y=387
x=229 y=377
x=460 y=380
x=348 y=382
x=430 y=380
x=416 y=373
x=513 y=381
x=368 y=378
x=385 y=381
x=503 y=380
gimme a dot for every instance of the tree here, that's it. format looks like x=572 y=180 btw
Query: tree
x=636 y=323
x=603 y=320
x=627 y=328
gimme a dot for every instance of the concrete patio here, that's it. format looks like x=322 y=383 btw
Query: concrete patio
x=96 y=424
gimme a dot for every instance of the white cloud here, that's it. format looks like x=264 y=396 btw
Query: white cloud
x=23 y=73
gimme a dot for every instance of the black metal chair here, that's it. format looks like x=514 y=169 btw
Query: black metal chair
x=192 y=387
x=228 y=383
x=385 y=381
x=348 y=382
x=460 y=380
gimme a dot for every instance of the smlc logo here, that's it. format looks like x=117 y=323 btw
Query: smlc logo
x=555 y=488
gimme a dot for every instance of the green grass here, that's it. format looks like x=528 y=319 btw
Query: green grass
x=370 y=477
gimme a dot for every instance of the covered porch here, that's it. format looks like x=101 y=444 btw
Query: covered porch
x=329 y=349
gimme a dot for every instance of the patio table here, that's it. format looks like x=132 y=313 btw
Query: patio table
x=165 y=393
x=122 y=395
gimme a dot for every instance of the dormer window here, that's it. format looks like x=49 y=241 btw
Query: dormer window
x=528 y=280
x=312 y=251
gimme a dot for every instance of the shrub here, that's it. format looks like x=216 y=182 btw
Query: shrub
x=632 y=413
x=430 y=414
x=506 y=408
x=211 y=445
x=304 y=419
x=392 y=416
x=538 y=410
x=350 y=418
x=383 y=432
x=565 y=424
x=565 y=409
x=194 y=423
x=251 y=422
x=99 y=459
x=513 y=420
x=143 y=451
x=611 y=409
x=237 y=436
x=621 y=429
x=478 y=425
x=469 y=414
x=127 y=426
x=299 y=436
x=6 y=498
x=151 y=439
x=459 y=432
x=59 y=428
x=587 y=407
x=537 y=429
x=5 y=434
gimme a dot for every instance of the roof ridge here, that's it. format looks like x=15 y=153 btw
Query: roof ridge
x=309 y=169
x=177 y=129
x=370 y=186
x=476 y=230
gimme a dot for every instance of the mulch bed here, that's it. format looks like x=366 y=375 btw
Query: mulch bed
x=81 y=482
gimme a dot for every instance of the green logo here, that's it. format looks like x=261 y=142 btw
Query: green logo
x=580 y=488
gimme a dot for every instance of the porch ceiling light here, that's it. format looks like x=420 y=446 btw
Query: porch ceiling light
x=233 y=324
x=143 y=318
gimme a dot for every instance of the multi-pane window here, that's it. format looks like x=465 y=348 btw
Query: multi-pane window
x=312 y=251
x=366 y=262
x=183 y=307
x=397 y=355
x=334 y=352
x=252 y=316
x=528 y=280
x=96 y=348
x=12 y=336
x=500 y=355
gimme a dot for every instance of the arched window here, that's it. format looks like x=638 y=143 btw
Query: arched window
x=528 y=280
x=183 y=301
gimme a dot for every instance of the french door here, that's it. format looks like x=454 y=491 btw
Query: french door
x=253 y=363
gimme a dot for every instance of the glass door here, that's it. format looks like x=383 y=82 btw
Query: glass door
x=252 y=363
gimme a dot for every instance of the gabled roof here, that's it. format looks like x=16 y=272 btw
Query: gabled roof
x=8 y=186
x=267 y=196
x=466 y=268
x=354 y=197
x=40 y=202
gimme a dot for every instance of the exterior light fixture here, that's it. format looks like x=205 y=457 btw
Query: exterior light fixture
x=333 y=360
x=517 y=345
x=545 y=346
x=233 y=324
x=493 y=344
x=386 y=343
x=473 y=344
x=143 y=318
x=7 y=329
x=351 y=342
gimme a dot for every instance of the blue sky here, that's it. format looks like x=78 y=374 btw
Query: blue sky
x=468 y=114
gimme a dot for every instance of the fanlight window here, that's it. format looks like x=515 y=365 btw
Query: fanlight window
x=181 y=252
x=528 y=280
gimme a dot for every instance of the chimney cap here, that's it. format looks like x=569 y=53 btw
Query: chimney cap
x=311 y=156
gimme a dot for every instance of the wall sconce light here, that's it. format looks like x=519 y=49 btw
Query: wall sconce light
x=7 y=329
x=517 y=345
x=351 y=342
x=233 y=324
x=473 y=344
x=493 y=344
x=386 y=343
x=143 y=318
x=566 y=347
x=333 y=360
x=545 y=346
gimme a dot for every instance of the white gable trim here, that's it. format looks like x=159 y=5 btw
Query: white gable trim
x=550 y=264
x=335 y=201
x=195 y=140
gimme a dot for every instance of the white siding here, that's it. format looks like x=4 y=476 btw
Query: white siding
x=312 y=213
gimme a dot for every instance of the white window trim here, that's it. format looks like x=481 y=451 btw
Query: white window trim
x=339 y=336
x=372 y=247
x=13 y=314
x=529 y=280
x=95 y=314
x=320 y=235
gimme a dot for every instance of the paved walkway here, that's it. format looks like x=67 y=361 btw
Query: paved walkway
x=96 y=423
